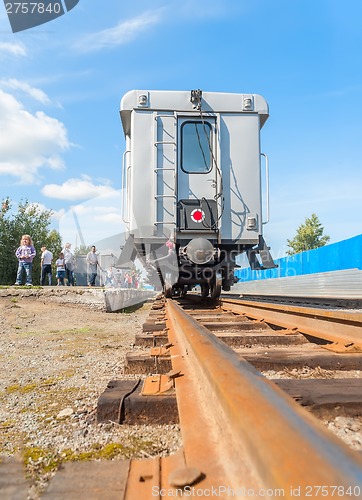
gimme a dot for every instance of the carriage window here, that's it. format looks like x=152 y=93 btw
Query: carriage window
x=195 y=147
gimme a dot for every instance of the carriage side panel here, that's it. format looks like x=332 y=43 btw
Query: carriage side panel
x=241 y=178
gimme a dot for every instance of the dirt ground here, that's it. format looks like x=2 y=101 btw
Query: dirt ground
x=56 y=359
x=19 y=315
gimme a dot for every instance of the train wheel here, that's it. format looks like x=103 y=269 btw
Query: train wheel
x=215 y=286
x=184 y=291
x=204 y=290
x=167 y=286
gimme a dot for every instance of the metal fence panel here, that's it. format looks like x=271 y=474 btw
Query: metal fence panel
x=339 y=256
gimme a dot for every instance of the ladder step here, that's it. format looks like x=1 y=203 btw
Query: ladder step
x=164 y=142
x=165 y=130
x=166 y=116
x=165 y=223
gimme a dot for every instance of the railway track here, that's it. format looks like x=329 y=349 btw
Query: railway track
x=259 y=428
x=244 y=435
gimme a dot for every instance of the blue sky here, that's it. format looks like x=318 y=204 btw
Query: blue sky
x=61 y=140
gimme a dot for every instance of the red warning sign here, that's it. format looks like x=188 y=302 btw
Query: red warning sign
x=197 y=215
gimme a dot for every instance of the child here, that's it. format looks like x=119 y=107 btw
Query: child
x=25 y=255
x=109 y=277
x=69 y=263
x=60 y=263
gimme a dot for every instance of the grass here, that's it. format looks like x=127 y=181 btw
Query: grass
x=44 y=384
x=40 y=462
x=21 y=389
x=79 y=331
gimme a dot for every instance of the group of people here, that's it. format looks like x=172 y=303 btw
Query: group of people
x=129 y=280
x=65 y=264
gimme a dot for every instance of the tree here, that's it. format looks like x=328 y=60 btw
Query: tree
x=82 y=250
x=309 y=235
x=29 y=219
x=8 y=259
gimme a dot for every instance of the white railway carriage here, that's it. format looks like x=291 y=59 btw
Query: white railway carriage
x=192 y=185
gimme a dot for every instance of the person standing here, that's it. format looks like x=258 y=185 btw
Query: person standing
x=69 y=264
x=109 y=277
x=92 y=261
x=60 y=263
x=25 y=255
x=46 y=266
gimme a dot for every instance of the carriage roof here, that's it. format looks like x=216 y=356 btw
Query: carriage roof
x=179 y=101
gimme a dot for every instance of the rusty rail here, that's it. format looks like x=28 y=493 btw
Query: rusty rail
x=342 y=328
x=240 y=431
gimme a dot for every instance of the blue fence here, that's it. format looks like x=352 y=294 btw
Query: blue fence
x=345 y=254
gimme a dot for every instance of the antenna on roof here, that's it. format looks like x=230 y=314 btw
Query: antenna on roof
x=196 y=96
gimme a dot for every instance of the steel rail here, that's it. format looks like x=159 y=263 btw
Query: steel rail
x=241 y=431
x=340 y=327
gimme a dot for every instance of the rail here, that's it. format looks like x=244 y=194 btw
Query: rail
x=239 y=429
x=341 y=328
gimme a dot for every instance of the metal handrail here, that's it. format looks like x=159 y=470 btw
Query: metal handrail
x=166 y=116
x=165 y=196
x=266 y=187
x=124 y=185
x=156 y=143
x=157 y=170
x=165 y=223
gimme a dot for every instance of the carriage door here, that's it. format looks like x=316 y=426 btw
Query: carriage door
x=197 y=175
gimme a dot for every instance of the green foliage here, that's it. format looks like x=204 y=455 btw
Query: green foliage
x=82 y=250
x=309 y=236
x=28 y=219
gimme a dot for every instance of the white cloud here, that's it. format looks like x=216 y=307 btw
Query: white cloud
x=123 y=33
x=93 y=220
x=35 y=93
x=76 y=189
x=110 y=217
x=13 y=48
x=99 y=206
x=56 y=215
x=28 y=142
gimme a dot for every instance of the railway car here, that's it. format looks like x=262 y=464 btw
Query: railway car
x=192 y=180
